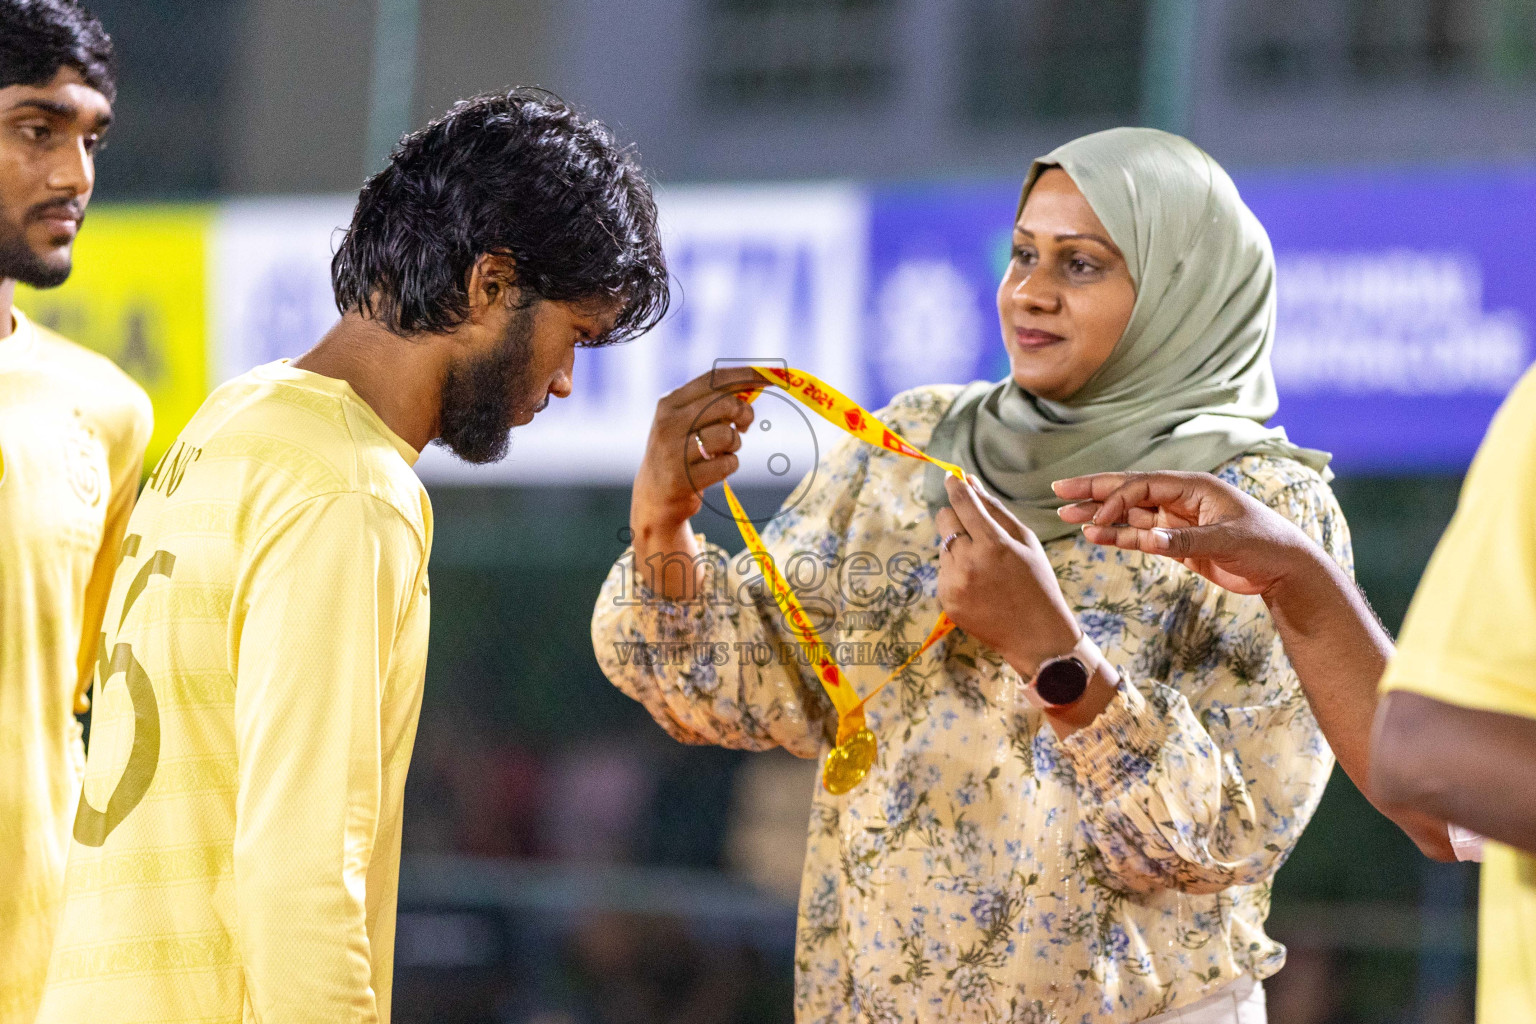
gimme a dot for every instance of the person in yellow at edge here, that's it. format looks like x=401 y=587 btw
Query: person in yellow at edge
x=236 y=852
x=72 y=434
x=1456 y=733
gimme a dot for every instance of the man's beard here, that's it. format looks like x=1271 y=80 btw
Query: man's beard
x=480 y=395
x=19 y=262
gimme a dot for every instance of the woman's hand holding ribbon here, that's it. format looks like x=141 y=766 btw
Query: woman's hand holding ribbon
x=694 y=436
x=996 y=582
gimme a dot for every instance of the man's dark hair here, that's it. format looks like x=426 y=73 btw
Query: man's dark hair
x=38 y=37
x=518 y=174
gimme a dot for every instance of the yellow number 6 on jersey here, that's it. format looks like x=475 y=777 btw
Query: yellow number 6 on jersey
x=92 y=826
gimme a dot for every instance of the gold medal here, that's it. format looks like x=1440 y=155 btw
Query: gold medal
x=849 y=762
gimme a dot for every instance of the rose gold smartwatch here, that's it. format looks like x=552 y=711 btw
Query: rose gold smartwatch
x=1061 y=681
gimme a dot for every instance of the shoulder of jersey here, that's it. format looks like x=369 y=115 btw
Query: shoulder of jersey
x=319 y=438
x=80 y=362
x=382 y=472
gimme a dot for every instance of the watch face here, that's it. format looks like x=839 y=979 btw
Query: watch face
x=1061 y=681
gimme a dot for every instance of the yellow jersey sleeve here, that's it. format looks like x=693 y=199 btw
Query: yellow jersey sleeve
x=317 y=615
x=1470 y=635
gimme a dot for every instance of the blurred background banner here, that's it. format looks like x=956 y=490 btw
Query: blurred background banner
x=775 y=272
x=1406 y=303
x=937 y=252
x=270 y=278
x=138 y=295
x=1406 y=307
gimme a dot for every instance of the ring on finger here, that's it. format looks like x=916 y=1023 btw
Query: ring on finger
x=698 y=439
x=949 y=539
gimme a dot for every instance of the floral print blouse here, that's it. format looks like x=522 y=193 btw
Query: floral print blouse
x=986 y=870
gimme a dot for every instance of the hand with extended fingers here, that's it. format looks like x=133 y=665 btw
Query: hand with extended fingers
x=1230 y=538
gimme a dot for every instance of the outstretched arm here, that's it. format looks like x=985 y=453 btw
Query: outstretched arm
x=1334 y=641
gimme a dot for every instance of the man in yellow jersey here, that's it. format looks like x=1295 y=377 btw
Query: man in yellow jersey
x=236 y=852
x=72 y=434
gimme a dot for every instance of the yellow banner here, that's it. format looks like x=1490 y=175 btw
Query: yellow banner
x=138 y=295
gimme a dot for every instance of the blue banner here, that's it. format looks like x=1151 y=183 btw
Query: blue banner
x=1406 y=301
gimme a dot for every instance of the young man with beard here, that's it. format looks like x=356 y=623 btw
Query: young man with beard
x=237 y=845
x=72 y=435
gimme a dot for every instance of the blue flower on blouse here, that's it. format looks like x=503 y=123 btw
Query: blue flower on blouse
x=1105 y=628
x=989 y=906
x=925 y=577
x=899 y=801
x=1044 y=753
x=1119 y=942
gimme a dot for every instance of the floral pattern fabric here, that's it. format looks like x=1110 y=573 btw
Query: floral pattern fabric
x=985 y=870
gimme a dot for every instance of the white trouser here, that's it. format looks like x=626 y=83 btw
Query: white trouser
x=1238 y=1002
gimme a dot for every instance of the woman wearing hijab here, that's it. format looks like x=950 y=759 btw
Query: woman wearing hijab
x=1009 y=858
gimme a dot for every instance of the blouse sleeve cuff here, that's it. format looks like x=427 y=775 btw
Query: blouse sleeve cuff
x=1119 y=748
x=666 y=607
x=695 y=613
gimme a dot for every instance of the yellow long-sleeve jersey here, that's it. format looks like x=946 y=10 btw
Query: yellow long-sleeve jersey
x=236 y=850
x=72 y=434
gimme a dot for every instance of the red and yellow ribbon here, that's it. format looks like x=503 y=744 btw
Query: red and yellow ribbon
x=850 y=760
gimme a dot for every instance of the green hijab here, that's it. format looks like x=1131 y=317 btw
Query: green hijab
x=1189 y=384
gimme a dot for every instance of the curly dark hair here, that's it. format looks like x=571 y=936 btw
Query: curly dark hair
x=38 y=37
x=518 y=174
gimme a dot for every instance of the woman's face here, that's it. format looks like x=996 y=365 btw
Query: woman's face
x=1067 y=294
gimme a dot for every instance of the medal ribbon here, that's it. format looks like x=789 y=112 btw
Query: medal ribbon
x=851 y=758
